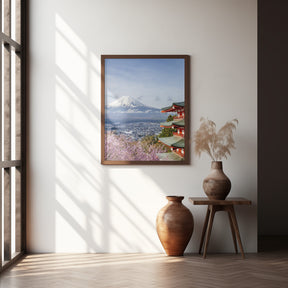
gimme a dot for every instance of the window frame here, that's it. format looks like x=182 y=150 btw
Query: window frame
x=7 y=163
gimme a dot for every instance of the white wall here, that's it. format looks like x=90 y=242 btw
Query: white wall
x=77 y=205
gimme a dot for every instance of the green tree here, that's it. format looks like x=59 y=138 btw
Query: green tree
x=167 y=132
x=170 y=118
x=149 y=142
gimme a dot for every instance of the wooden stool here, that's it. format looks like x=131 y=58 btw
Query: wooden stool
x=213 y=207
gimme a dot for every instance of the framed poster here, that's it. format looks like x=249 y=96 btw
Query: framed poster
x=145 y=109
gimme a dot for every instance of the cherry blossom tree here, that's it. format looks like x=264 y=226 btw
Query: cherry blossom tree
x=122 y=148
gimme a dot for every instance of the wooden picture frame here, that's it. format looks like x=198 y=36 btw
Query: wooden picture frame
x=145 y=109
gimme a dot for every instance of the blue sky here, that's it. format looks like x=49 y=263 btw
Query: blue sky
x=154 y=82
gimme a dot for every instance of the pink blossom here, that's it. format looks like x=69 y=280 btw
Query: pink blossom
x=122 y=148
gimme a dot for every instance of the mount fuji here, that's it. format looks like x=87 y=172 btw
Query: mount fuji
x=127 y=108
x=127 y=104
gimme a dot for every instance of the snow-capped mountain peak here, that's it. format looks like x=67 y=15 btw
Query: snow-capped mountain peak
x=128 y=108
x=127 y=102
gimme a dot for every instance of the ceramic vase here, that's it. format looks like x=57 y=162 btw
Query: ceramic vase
x=174 y=225
x=217 y=185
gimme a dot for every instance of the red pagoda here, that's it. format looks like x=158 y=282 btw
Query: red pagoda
x=176 y=142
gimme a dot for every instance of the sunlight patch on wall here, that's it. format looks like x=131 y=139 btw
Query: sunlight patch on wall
x=79 y=200
x=71 y=54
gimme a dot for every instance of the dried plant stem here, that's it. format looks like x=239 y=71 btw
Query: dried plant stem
x=216 y=144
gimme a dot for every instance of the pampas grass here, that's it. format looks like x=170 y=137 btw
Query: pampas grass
x=216 y=144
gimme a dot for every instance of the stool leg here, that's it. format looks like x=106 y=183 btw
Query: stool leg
x=232 y=230
x=204 y=229
x=234 y=221
x=210 y=223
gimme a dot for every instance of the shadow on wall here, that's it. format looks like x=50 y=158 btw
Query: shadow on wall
x=92 y=210
x=84 y=204
x=75 y=135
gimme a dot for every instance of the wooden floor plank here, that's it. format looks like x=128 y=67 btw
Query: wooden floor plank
x=147 y=270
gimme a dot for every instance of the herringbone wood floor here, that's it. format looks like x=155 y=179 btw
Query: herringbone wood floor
x=148 y=270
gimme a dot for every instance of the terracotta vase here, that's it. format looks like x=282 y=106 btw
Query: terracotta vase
x=174 y=225
x=217 y=185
